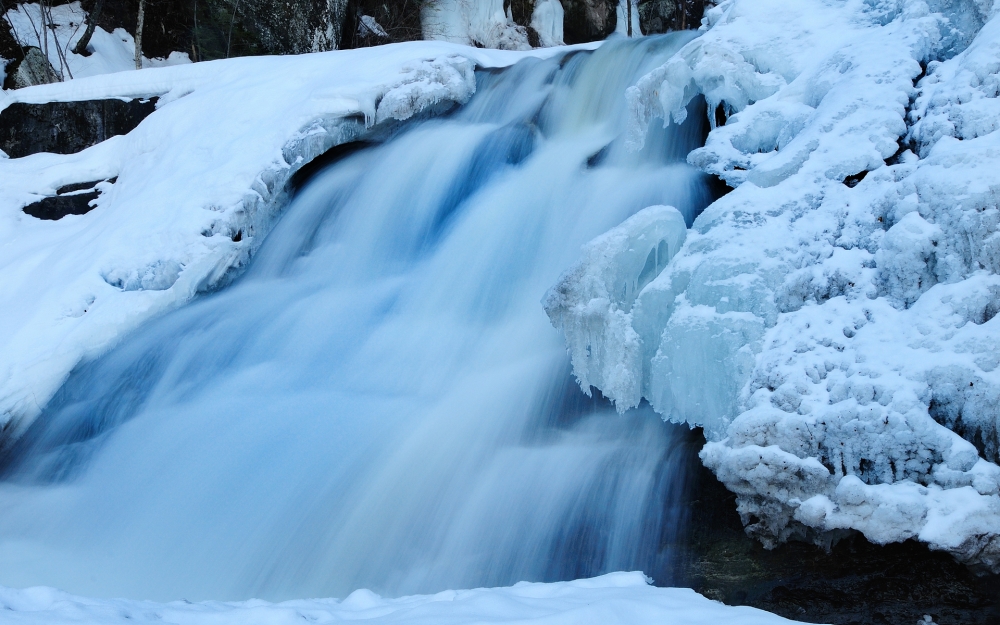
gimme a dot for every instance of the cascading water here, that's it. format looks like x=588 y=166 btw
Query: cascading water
x=380 y=401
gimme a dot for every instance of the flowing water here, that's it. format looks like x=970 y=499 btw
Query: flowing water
x=380 y=401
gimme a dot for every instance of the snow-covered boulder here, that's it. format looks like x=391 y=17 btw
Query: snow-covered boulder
x=830 y=322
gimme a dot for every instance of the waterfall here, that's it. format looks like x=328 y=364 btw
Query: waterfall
x=380 y=400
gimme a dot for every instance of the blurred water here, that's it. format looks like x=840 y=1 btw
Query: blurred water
x=380 y=401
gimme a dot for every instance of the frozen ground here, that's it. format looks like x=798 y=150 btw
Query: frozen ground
x=198 y=183
x=830 y=322
x=623 y=598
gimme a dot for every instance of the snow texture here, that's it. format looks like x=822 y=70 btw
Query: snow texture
x=110 y=52
x=617 y=598
x=481 y=23
x=199 y=184
x=830 y=322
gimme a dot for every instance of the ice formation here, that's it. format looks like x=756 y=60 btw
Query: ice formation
x=482 y=23
x=830 y=322
x=547 y=20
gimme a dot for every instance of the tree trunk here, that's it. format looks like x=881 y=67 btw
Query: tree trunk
x=138 y=34
x=81 y=45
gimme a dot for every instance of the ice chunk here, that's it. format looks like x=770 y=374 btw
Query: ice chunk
x=592 y=302
x=547 y=20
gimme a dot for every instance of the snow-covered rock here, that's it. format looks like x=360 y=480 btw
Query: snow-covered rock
x=830 y=322
x=199 y=183
x=623 y=598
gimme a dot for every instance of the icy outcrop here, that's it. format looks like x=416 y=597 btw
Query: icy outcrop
x=481 y=23
x=195 y=191
x=830 y=322
x=592 y=303
x=547 y=20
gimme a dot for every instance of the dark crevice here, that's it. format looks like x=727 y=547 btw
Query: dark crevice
x=853 y=180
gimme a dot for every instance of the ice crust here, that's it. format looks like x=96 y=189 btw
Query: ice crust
x=830 y=322
x=200 y=182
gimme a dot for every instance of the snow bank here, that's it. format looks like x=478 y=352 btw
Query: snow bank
x=623 y=598
x=472 y=22
x=199 y=183
x=110 y=52
x=830 y=322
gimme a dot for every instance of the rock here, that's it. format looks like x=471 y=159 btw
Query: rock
x=32 y=69
x=655 y=15
x=853 y=582
x=72 y=199
x=400 y=21
x=588 y=20
x=67 y=127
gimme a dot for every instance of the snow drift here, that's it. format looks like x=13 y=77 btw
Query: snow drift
x=623 y=598
x=830 y=322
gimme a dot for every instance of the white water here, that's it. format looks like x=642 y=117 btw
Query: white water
x=380 y=401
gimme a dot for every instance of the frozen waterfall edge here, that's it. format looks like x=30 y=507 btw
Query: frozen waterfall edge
x=804 y=321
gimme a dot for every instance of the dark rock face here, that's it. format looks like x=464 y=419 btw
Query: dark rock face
x=588 y=20
x=399 y=19
x=855 y=583
x=655 y=15
x=215 y=29
x=67 y=127
x=72 y=199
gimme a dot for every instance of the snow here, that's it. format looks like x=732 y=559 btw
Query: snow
x=111 y=52
x=830 y=322
x=623 y=598
x=472 y=22
x=210 y=164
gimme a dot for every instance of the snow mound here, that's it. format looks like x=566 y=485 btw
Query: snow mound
x=830 y=322
x=623 y=598
x=200 y=182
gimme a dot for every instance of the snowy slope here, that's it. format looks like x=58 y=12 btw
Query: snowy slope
x=110 y=52
x=199 y=182
x=830 y=322
x=623 y=598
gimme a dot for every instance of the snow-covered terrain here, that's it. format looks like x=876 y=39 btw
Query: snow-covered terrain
x=198 y=183
x=830 y=322
x=110 y=52
x=623 y=598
